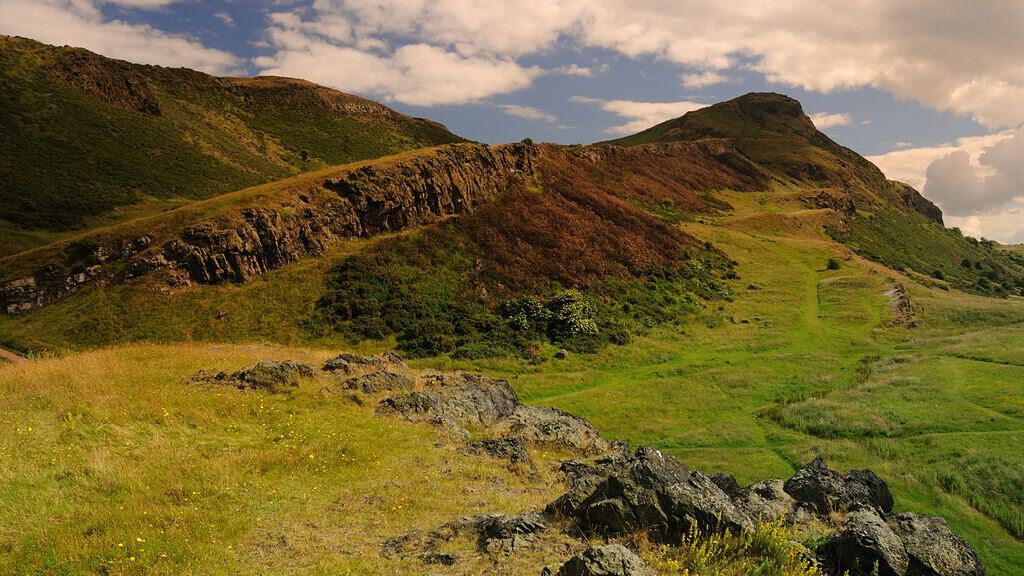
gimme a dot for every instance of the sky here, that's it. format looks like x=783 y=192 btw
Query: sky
x=930 y=90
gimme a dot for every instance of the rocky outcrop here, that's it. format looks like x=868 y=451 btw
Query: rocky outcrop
x=608 y=560
x=379 y=381
x=901 y=309
x=269 y=375
x=818 y=487
x=457 y=402
x=912 y=200
x=496 y=535
x=933 y=549
x=374 y=199
x=657 y=494
x=865 y=541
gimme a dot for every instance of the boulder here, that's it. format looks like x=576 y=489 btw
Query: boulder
x=864 y=540
x=766 y=501
x=658 y=494
x=824 y=490
x=511 y=449
x=456 y=401
x=271 y=375
x=379 y=381
x=347 y=363
x=608 y=560
x=553 y=426
x=933 y=549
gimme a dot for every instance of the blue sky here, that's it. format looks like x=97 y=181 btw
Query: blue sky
x=933 y=93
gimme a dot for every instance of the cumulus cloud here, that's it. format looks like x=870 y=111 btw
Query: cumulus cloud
x=640 y=115
x=81 y=23
x=332 y=50
x=823 y=120
x=962 y=188
x=978 y=181
x=964 y=58
x=702 y=79
x=528 y=112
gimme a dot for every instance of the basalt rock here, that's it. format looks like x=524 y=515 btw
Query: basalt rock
x=608 y=560
x=511 y=449
x=658 y=494
x=456 y=401
x=238 y=247
x=824 y=490
x=379 y=381
x=864 y=541
x=553 y=426
x=933 y=549
x=268 y=375
x=495 y=534
x=347 y=363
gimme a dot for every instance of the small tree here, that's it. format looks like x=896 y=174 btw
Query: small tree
x=832 y=264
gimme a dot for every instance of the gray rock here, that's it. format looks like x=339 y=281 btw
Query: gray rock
x=934 y=550
x=819 y=487
x=660 y=495
x=553 y=426
x=511 y=449
x=347 y=363
x=608 y=560
x=379 y=381
x=766 y=501
x=865 y=539
x=562 y=354
x=272 y=375
x=457 y=401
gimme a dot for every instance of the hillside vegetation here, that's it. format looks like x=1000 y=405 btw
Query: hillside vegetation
x=85 y=136
x=732 y=288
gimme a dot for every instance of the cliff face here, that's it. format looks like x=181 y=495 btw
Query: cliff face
x=364 y=202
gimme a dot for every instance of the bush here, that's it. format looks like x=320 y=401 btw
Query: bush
x=832 y=264
x=428 y=338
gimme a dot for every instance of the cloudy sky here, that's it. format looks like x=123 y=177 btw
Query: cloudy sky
x=932 y=91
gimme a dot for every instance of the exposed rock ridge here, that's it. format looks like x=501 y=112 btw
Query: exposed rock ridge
x=371 y=200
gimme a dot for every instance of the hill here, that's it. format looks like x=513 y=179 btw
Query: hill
x=88 y=139
x=722 y=299
x=885 y=221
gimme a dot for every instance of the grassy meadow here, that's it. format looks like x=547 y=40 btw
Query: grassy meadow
x=106 y=456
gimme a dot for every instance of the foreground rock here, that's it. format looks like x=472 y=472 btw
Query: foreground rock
x=270 y=375
x=864 y=542
x=609 y=560
x=824 y=490
x=658 y=494
x=496 y=535
x=933 y=549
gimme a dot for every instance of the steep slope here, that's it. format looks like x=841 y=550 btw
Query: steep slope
x=884 y=220
x=535 y=220
x=85 y=135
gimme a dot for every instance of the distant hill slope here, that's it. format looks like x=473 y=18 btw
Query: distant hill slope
x=84 y=135
x=884 y=220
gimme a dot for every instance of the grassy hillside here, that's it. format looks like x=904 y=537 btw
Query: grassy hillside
x=85 y=135
x=889 y=222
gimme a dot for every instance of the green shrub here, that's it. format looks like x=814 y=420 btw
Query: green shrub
x=832 y=264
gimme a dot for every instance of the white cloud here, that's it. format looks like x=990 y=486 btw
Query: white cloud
x=911 y=165
x=823 y=120
x=81 y=23
x=528 y=112
x=964 y=58
x=226 y=18
x=702 y=79
x=144 y=4
x=964 y=189
x=640 y=115
x=977 y=181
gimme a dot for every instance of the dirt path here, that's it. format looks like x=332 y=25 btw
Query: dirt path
x=9 y=356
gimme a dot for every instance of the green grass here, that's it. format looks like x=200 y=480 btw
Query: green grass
x=912 y=243
x=83 y=157
x=804 y=365
x=110 y=464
